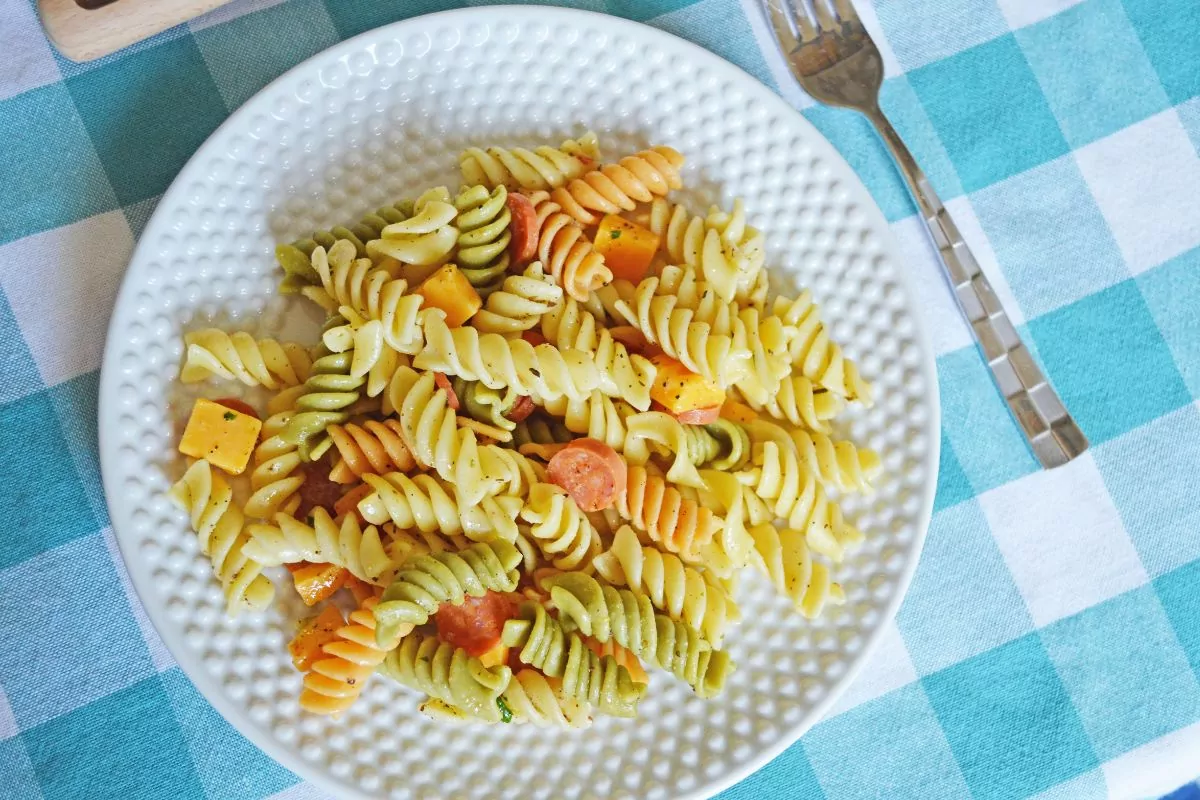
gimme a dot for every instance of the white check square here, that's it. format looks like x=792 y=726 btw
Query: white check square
x=1144 y=179
x=61 y=285
x=1062 y=539
x=889 y=668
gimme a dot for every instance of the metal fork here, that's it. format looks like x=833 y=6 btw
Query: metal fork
x=834 y=59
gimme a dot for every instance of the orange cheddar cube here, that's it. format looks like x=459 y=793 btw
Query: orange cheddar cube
x=678 y=389
x=317 y=582
x=449 y=290
x=627 y=247
x=221 y=435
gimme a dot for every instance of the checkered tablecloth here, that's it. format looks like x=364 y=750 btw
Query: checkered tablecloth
x=1050 y=643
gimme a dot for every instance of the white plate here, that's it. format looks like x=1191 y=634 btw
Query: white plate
x=378 y=118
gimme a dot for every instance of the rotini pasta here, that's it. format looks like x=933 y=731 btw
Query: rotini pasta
x=815 y=354
x=619 y=187
x=519 y=303
x=374 y=446
x=586 y=677
x=373 y=293
x=715 y=356
x=426 y=238
x=596 y=417
x=837 y=462
x=430 y=504
x=680 y=525
x=541 y=168
x=560 y=529
x=335 y=682
x=675 y=588
x=619 y=373
x=785 y=558
x=797 y=496
x=428 y=581
x=295 y=258
x=566 y=251
x=534 y=699
x=448 y=674
x=543 y=372
x=721 y=247
x=219 y=527
x=800 y=402
x=670 y=436
x=328 y=393
x=629 y=619
x=274 y=482
x=483 y=236
x=362 y=551
x=238 y=355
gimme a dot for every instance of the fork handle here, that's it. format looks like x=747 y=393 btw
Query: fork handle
x=1052 y=433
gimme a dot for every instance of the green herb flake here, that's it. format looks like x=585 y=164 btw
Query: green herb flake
x=614 y=235
x=506 y=714
x=229 y=416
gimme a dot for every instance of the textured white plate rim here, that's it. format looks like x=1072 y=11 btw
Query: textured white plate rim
x=170 y=633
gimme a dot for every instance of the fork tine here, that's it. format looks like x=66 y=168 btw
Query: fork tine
x=826 y=19
x=845 y=10
x=804 y=20
x=784 y=25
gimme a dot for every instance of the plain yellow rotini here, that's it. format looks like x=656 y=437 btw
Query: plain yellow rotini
x=238 y=355
x=559 y=528
x=815 y=354
x=785 y=557
x=620 y=373
x=362 y=551
x=543 y=167
x=374 y=293
x=519 y=303
x=430 y=504
x=426 y=238
x=219 y=527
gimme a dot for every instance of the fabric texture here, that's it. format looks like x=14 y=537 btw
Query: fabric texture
x=1050 y=645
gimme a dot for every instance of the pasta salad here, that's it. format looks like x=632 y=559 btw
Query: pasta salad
x=549 y=421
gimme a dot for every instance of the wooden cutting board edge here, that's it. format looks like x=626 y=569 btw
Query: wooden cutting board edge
x=82 y=34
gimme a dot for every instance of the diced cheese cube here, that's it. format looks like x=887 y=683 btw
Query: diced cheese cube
x=679 y=389
x=223 y=437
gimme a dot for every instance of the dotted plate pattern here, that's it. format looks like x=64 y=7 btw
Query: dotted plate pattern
x=378 y=118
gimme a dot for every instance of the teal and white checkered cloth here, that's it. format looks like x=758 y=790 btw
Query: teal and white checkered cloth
x=1050 y=644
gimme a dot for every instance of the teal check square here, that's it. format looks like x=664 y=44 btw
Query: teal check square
x=1109 y=362
x=906 y=113
x=1010 y=723
x=953 y=487
x=1150 y=473
x=247 y=53
x=642 y=10
x=855 y=139
x=351 y=19
x=18 y=372
x=961 y=568
x=18 y=776
x=1177 y=593
x=789 y=776
x=1172 y=293
x=47 y=512
x=96 y=647
x=1168 y=33
x=46 y=145
x=988 y=445
x=76 y=403
x=1093 y=70
x=214 y=745
x=1099 y=674
x=123 y=746
x=1049 y=266
x=147 y=113
x=885 y=727
x=989 y=111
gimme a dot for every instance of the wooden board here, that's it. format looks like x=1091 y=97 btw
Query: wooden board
x=86 y=29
